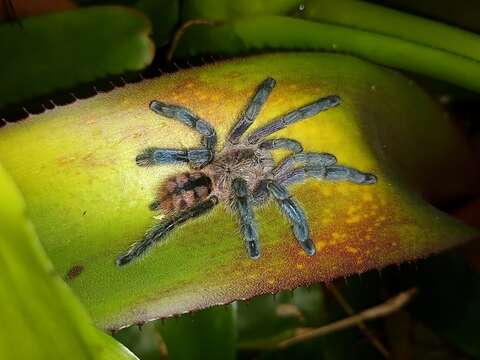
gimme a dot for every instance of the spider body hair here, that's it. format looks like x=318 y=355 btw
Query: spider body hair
x=182 y=191
x=242 y=175
x=250 y=163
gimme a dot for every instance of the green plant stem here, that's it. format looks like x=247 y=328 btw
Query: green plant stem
x=285 y=33
x=382 y=20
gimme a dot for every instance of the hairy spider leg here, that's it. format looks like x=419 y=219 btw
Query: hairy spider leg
x=160 y=230
x=251 y=112
x=245 y=213
x=294 y=116
x=332 y=173
x=209 y=137
x=155 y=156
x=198 y=158
x=294 y=214
x=282 y=143
x=260 y=194
x=340 y=172
x=307 y=159
x=320 y=160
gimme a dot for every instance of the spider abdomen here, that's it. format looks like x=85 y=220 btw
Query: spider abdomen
x=182 y=191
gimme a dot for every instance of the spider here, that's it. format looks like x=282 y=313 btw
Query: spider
x=242 y=175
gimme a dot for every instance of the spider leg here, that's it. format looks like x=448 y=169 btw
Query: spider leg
x=252 y=110
x=340 y=172
x=332 y=173
x=282 y=143
x=209 y=137
x=260 y=193
x=154 y=156
x=294 y=116
x=295 y=215
x=307 y=159
x=160 y=230
x=247 y=220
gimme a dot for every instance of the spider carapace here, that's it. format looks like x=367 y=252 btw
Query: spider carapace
x=242 y=175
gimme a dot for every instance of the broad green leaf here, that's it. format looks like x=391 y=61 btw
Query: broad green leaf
x=207 y=334
x=41 y=319
x=80 y=45
x=286 y=33
x=90 y=201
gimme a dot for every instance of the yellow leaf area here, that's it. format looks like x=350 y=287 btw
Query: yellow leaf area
x=89 y=200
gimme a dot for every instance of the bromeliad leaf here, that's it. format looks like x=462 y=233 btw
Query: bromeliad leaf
x=90 y=200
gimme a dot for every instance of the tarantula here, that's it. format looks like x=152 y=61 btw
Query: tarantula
x=242 y=175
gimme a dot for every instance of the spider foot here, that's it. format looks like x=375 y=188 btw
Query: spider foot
x=340 y=172
x=146 y=158
x=369 y=179
x=253 y=250
x=308 y=246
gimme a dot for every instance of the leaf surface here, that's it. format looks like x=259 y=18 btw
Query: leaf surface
x=90 y=201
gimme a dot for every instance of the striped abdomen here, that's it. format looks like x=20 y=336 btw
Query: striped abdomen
x=182 y=191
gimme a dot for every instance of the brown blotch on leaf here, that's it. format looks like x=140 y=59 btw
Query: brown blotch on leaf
x=74 y=271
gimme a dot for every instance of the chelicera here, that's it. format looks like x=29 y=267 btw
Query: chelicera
x=242 y=175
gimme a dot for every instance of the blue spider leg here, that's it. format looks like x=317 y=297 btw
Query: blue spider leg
x=209 y=137
x=244 y=210
x=252 y=110
x=307 y=159
x=329 y=173
x=282 y=143
x=159 y=231
x=294 y=214
x=154 y=156
x=340 y=172
x=294 y=116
